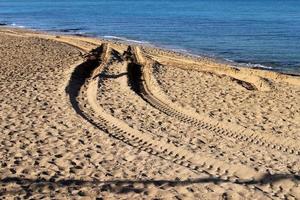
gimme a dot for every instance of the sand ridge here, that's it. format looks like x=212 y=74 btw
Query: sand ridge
x=115 y=117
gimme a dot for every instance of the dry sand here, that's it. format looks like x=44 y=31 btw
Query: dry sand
x=89 y=118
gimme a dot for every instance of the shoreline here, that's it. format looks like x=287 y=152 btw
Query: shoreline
x=183 y=52
x=262 y=78
x=219 y=66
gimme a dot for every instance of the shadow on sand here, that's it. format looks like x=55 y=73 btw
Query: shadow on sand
x=120 y=186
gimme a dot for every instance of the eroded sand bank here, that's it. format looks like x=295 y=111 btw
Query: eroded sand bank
x=92 y=118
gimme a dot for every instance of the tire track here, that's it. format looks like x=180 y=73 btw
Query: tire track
x=149 y=90
x=83 y=96
x=82 y=90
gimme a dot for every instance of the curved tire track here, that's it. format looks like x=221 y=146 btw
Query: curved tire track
x=82 y=90
x=150 y=91
x=83 y=96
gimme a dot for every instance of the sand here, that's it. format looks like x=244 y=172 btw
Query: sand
x=97 y=119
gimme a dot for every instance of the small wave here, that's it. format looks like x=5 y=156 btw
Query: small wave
x=68 y=30
x=15 y=25
x=258 y=66
x=82 y=34
x=3 y=24
x=179 y=50
x=124 y=39
x=239 y=63
x=229 y=60
x=112 y=37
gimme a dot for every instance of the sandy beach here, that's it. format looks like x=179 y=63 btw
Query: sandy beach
x=92 y=118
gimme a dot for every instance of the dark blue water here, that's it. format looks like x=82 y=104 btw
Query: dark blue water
x=265 y=32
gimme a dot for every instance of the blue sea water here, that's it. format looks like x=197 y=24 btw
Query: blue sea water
x=261 y=32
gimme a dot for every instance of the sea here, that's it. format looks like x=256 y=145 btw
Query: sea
x=254 y=33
